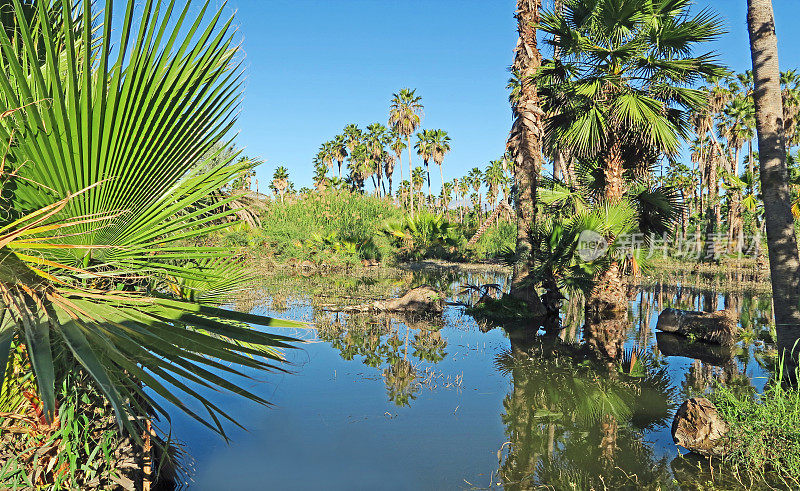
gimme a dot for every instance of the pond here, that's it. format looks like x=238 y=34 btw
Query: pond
x=383 y=402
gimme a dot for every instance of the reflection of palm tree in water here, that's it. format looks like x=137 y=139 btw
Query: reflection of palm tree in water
x=567 y=421
x=378 y=341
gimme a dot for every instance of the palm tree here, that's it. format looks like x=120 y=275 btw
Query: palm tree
x=624 y=79
x=493 y=177
x=96 y=274
x=790 y=95
x=325 y=154
x=621 y=93
x=463 y=189
x=280 y=181
x=475 y=177
x=405 y=116
x=388 y=166
x=417 y=180
x=320 y=178
x=352 y=136
x=446 y=195
x=339 y=151
x=360 y=166
x=424 y=148
x=784 y=263
x=440 y=143
x=525 y=144
x=377 y=136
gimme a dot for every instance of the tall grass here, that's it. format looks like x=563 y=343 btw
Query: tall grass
x=764 y=432
x=499 y=240
x=351 y=220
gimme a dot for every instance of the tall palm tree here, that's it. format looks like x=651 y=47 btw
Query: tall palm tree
x=784 y=263
x=621 y=93
x=475 y=179
x=440 y=143
x=424 y=148
x=388 y=166
x=493 y=177
x=325 y=154
x=339 y=151
x=405 y=116
x=417 y=180
x=360 y=166
x=352 y=136
x=525 y=145
x=624 y=79
x=375 y=139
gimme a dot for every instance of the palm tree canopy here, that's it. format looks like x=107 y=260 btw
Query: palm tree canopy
x=624 y=67
x=405 y=112
x=440 y=145
x=424 y=145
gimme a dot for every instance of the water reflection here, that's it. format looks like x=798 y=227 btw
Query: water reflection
x=398 y=342
x=586 y=405
x=575 y=424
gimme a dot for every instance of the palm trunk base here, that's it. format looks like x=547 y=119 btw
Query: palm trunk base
x=606 y=319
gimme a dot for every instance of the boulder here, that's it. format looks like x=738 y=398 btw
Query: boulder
x=698 y=427
x=420 y=299
x=718 y=327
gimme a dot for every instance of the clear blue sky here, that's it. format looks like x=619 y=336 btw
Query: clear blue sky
x=313 y=66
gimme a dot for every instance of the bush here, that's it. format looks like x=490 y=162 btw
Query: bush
x=424 y=235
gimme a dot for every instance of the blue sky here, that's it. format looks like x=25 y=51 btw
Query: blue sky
x=312 y=66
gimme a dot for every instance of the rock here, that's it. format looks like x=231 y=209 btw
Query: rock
x=670 y=344
x=699 y=428
x=718 y=327
x=423 y=299
x=420 y=299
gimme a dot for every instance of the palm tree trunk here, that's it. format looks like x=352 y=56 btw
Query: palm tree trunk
x=612 y=171
x=410 y=170
x=428 y=173
x=441 y=174
x=784 y=262
x=525 y=145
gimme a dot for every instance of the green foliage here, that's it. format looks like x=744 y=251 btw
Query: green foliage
x=109 y=179
x=766 y=429
x=424 y=235
x=86 y=451
x=506 y=309
x=330 y=226
x=498 y=239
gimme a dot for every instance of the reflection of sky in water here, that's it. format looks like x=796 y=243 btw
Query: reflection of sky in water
x=333 y=426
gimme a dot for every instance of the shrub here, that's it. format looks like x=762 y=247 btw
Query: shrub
x=424 y=235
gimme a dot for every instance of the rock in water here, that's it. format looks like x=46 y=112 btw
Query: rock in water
x=715 y=327
x=420 y=299
x=699 y=428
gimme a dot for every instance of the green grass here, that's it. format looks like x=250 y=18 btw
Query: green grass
x=498 y=240
x=325 y=227
x=764 y=431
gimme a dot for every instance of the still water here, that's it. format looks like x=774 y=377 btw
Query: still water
x=383 y=402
